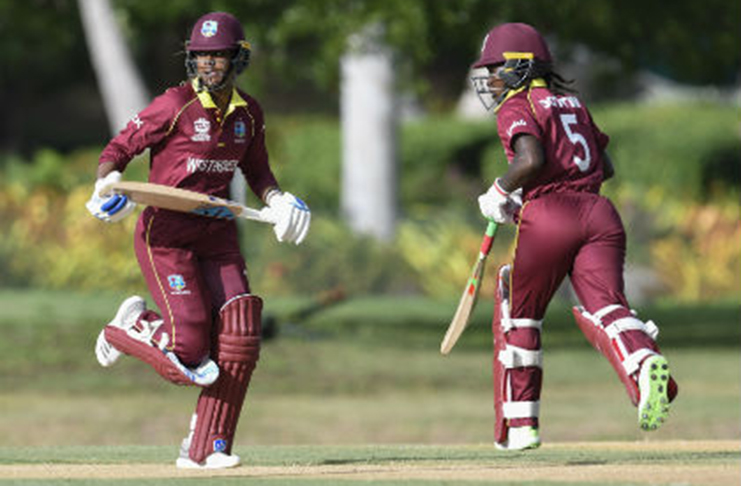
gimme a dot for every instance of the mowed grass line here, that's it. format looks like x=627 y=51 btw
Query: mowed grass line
x=606 y=463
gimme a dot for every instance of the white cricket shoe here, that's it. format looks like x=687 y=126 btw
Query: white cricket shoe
x=217 y=460
x=653 y=382
x=126 y=317
x=520 y=438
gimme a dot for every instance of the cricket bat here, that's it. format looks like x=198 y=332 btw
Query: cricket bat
x=183 y=200
x=470 y=294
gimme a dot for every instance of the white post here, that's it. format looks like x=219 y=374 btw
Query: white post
x=368 y=196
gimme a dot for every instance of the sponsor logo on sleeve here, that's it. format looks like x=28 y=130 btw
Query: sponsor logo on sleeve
x=515 y=124
x=137 y=121
x=202 y=128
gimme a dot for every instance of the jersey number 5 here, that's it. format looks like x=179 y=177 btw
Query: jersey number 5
x=577 y=139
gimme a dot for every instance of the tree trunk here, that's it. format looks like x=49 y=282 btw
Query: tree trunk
x=119 y=81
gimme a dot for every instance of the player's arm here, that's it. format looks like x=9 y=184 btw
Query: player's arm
x=146 y=129
x=501 y=202
x=105 y=168
x=527 y=162
x=291 y=215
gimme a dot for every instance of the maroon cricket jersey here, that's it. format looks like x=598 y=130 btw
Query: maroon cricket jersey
x=572 y=143
x=194 y=146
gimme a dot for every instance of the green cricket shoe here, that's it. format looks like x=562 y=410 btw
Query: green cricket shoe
x=653 y=382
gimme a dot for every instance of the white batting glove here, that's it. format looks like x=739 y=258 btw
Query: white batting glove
x=112 y=208
x=291 y=215
x=500 y=205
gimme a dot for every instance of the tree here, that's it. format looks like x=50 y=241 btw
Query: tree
x=118 y=78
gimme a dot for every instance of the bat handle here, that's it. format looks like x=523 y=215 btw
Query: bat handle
x=491 y=230
x=261 y=215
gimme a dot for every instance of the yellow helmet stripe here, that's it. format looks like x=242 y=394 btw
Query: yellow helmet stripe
x=518 y=55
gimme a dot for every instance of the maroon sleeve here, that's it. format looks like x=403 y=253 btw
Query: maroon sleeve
x=144 y=130
x=516 y=118
x=254 y=164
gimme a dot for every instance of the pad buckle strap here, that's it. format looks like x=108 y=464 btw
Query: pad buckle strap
x=606 y=310
x=512 y=410
x=632 y=363
x=515 y=357
x=509 y=323
x=631 y=324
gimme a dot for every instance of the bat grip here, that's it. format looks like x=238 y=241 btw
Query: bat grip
x=491 y=230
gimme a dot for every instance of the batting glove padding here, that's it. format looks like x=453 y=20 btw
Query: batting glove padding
x=291 y=215
x=112 y=208
x=499 y=205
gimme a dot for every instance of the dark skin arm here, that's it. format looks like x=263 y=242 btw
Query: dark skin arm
x=529 y=159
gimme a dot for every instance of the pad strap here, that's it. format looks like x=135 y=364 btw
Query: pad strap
x=633 y=361
x=508 y=323
x=621 y=325
x=513 y=410
x=631 y=324
x=515 y=357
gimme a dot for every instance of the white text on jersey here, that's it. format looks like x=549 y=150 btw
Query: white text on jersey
x=560 y=102
x=209 y=165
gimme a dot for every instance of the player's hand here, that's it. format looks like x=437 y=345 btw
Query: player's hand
x=291 y=215
x=500 y=205
x=112 y=208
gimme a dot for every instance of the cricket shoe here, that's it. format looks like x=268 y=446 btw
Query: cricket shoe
x=519 y=439
x=217 y=460
x=653 y=381
x=126 y=317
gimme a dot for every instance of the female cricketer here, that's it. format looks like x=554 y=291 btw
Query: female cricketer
x=207 y=330
x=557 y=163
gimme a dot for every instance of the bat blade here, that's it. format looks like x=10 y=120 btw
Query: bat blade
x=470 y=293
x=465 y=308
x=182 y=200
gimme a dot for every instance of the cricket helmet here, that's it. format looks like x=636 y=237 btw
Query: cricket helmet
x=218 y=31
x=520 y=50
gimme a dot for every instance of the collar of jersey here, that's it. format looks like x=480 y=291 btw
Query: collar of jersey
x=535 y=83
x=207 y=102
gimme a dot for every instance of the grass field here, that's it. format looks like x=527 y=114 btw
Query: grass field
x=603 y=463
x=360 y=394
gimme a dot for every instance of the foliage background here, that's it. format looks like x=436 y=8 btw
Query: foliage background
x=678 y=196
x=678 y=163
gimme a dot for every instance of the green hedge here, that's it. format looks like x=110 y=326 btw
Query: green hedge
x=691 y=150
